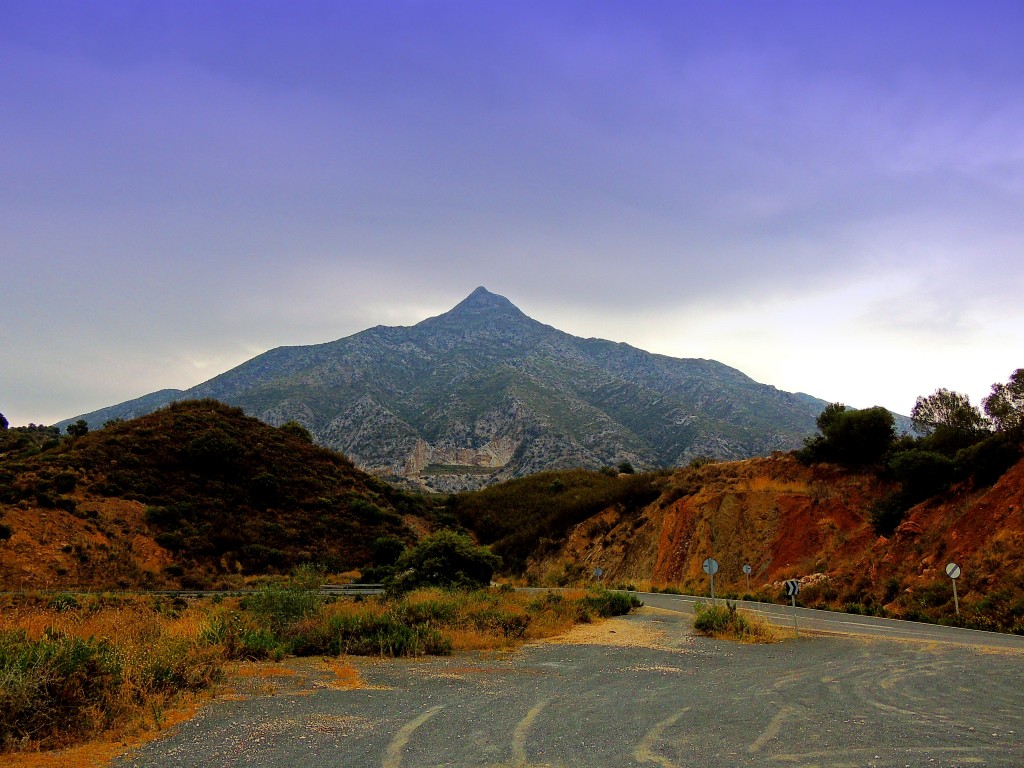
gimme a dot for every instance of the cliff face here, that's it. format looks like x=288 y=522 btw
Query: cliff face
x=790 y=521
x=484 y=393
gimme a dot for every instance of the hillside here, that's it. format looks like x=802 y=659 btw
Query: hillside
x=788 y=520
x=193 y=494
x=484 y=393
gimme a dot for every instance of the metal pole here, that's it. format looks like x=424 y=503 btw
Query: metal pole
x=712 y=588
x=795 y=629
x=956 y=600
x=748 y=582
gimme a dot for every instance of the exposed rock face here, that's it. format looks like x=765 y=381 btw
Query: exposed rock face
x=787 y=521
x=484 y=392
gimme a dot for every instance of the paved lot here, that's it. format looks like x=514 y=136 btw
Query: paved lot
x=686 y=701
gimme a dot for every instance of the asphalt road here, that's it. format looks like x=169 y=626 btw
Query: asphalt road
x=835 y=701
x=845 y=623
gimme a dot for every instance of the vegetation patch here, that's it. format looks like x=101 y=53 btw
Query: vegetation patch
x=80 y=666
x=726 y=622
x=532 y=515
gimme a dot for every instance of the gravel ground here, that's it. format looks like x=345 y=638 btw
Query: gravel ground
x=638 y=691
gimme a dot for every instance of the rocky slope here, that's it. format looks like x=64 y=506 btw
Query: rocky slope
x=484 y=393
x=791 y=521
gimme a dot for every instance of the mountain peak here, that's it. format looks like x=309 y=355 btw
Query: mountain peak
x=481 y=304
x=482 y=299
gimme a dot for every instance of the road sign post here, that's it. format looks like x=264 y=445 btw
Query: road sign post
x=598 y=573
x=953 y=571
x=711 y=568
x=746 y=572
x=792 y=590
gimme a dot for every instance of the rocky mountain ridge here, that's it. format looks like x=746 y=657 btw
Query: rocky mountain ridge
x=483 y=393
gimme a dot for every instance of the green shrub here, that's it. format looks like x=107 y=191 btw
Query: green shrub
x=988 y=460
x=63 y=602
x=606 y=603
x=923 y=473
x=444 y=559
x=724 y=621
x=55 y=688
x=64 y=482
x=276 y=607
x=886 y=513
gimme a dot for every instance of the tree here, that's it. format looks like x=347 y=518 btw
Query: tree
x=444 y=559
x=851 y=437
x=946 y=410
x=79 y=428
x=829 y=416
x=1005 y=406
x=3 y=422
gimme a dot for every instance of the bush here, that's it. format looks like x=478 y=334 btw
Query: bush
x=298 y=431
x=726 y=622
x=444 y=559
x=54 y=688
x=387 y=550
x=277 y=607
x=888 y=512
x=65 y=482
x=850 y=437
x=923 y=473
x=988 y=460
x=606 y=603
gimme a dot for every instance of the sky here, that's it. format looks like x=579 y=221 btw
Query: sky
x=828 y=196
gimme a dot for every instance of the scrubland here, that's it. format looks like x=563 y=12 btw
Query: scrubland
x=74 y=667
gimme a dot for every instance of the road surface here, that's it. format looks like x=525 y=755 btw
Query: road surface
x=847 y=623
x=645 y=692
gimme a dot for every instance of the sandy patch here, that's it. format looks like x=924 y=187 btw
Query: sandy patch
x=635 y=633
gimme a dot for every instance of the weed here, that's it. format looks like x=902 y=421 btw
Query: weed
x=725 y=622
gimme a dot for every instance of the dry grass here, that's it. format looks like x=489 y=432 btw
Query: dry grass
x=765 y=484
x=726 y=622
x=135 y=665
x=76 y=667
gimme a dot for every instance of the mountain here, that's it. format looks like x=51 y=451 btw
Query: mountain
x=195 y=494
x=484 y=393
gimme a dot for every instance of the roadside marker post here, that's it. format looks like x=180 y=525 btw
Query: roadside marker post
x=711 y=568
x=746 y=572
x=792 y=590
x=953 y=571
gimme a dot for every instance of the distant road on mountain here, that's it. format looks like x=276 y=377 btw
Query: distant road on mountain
x=483 y=393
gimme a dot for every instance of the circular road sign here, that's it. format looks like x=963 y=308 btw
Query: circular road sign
x=953 y=571
x=711 y=566
x=747 y=569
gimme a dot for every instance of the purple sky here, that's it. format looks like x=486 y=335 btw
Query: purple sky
x=828 y=196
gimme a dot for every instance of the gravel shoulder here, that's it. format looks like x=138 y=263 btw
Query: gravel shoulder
x=629 y=692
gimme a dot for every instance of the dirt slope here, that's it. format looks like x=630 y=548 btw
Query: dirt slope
x=791 y=521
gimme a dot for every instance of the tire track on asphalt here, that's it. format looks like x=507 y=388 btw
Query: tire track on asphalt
x=522 y=730
x=644 y=751
x=393 y=756
x=773 y=729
